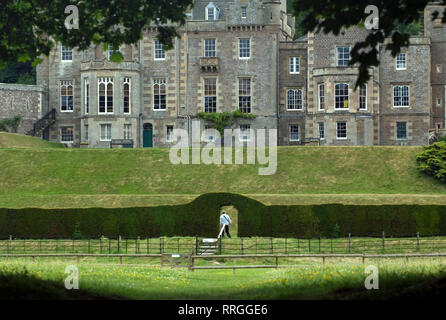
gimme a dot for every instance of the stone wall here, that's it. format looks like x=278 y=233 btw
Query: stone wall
x=27 y=101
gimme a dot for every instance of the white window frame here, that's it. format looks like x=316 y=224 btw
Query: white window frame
x=127 y=131
x=66 y=84
x=72 y=134
x=160 y=82
x=321 y=97
x=348 y=96
x=364 y=87
x=86 y=95
x=67 y=51
x=244 y=12
x=243 y=132
x=337 y=130
x=399 y=61
x=210 y=96
x=106 y=81
x=319 y=126
x=291 y=133
x=343 y=59
x=111 y=50
x=294 y=65
x=408 y=96
x=207 y=46
x=215 y=12
x=297 y=93
x=240 y=97
x=240 y=40
x=129 y=82
x=106 y=137
x=159 y=54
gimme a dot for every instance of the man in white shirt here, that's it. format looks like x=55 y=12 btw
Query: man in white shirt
x=225 y=220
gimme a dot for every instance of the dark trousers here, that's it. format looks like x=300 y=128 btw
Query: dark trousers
x=227 y=232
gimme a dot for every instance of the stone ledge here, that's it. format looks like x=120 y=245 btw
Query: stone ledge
x=21 y=87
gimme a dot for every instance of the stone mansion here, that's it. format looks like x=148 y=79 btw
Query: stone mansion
x=237 y=54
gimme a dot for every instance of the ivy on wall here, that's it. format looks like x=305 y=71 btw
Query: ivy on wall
x=10 y=125
x=222 y=120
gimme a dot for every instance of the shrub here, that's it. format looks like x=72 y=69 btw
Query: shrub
x=201 y=218
x=432 y=161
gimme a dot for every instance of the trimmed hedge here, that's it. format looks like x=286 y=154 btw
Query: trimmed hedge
x=201 y=218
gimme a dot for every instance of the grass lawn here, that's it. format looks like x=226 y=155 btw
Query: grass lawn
x=337 y=280
x=13 y=140
x=60 y=178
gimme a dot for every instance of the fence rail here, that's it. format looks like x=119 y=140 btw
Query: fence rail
x=244 y=246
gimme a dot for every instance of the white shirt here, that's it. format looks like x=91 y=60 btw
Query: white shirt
x=224 y=219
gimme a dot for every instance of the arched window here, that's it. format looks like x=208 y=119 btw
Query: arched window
x=126 y=95
x=66 y=96
x=105 y=94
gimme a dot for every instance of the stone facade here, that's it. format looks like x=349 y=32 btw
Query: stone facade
x=22 y=100
x=300 y=87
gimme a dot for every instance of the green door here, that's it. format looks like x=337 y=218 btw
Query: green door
x=147 y=139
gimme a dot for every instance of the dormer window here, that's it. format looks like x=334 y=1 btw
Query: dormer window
x=212 y=12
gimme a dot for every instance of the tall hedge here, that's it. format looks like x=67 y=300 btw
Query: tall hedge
x=200 y=218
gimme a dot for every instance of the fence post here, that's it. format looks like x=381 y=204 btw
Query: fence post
x=349 y=242
x=418 y=241
x=319 y=244
x=109 y=245
x=384 y=241
x=161 y=245
x=286 y=246
x=148 y=245
x=277 y=262
x=137 y=244
x=10 y=245
x=271 y=250
x=89 y=245
x=298 y=246
x=219 y=246
x=119 y=244
x=196 y=245
x=72 y=249
x=309 y=245
x=126 y=244
x=241 y=239
x=102 y=243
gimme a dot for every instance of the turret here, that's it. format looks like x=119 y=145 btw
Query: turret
x=272 y=12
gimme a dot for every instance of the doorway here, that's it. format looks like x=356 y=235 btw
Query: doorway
x=147 y=137
x=233 y=214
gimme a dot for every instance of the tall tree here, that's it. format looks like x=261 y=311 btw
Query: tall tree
x=397 y=20
x=29 y=28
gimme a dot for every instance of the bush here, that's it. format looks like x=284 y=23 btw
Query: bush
x=432 y=161
x=201 y=218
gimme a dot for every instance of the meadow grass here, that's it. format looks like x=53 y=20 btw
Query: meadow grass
x=13 y=140
x=335 y=280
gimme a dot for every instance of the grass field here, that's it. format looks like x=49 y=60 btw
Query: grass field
x=22 y=278
x=12 y=140
x=51 y=178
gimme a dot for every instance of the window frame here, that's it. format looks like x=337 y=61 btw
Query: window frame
x=127 y=131
x=157 y=49
x=397 y=130
x=319 y=126
x=244 y=12
x=338 y=130
x=66 y=50
x=361 y=96
x=106 y=81
x=107 y=138
x=169 y=138
x=397 y=61
x=66 y=84
x=299 y=107
x=128 y=82
x=62 y=135
x=294 y=65
x=291 y=132
x=408 y=96
x=206 y=51
x=321 y=96
x=248 y=126
x=86 y=95
x=348 y=96
x=210 y=96
x=160 y=82
x=343 y=58
x=240 y=49
x=244 y=98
